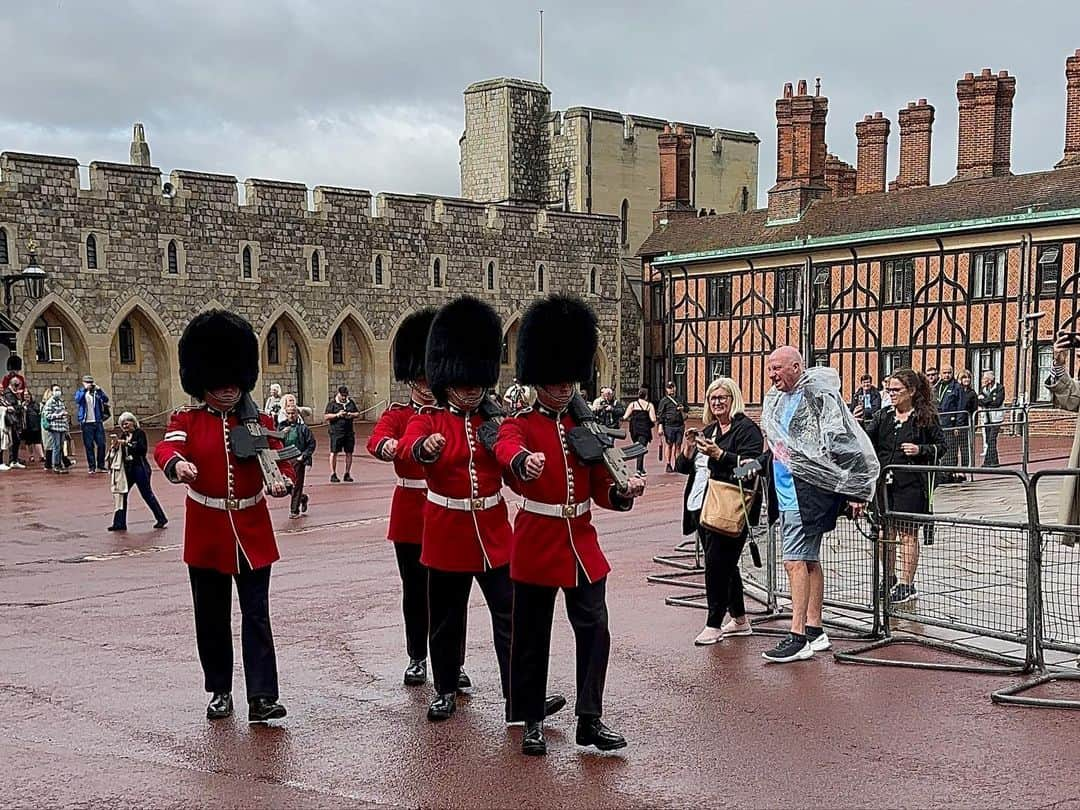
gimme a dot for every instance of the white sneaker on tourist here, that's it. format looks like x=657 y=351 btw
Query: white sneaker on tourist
x=819 y=642
x=18 y=465
x=737 y=628
x=4 y=468
x=710 y=635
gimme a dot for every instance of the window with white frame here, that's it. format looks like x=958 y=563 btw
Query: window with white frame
x=893 y=359
x=1048 y=266
x=717 y=296
x=1044 y=359
x=822 y=287
x=48 y=342
x=985 y=358
x=988 y=274
x=719 y=366
x=898 y=281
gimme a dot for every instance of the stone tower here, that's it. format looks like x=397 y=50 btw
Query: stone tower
x=504 y=151
x=140 y=149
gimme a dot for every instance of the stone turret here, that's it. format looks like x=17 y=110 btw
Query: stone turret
x=140 y=149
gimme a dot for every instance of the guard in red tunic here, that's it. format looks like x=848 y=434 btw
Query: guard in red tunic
x=466 y=531
x=227 y=530
x=407 y=507
x=555 y=544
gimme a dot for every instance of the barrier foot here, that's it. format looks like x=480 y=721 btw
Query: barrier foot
x=838 y=628
x=677 y=578
x=993 y=663
x=1014 y=695
x=687 y=562
x=698 y=601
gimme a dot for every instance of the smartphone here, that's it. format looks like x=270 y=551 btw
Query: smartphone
x=691 y=434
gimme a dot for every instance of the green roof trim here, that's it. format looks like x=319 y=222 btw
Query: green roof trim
x=810 y=243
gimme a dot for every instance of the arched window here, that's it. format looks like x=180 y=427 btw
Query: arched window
x=378 y=271
x=273 y=356
x=246 y=261
x=624 y=223
x=592 y=281
x=491 y=275
x=3 y=247
x=337 y=348
x=126 y=338
x=540 y=278
x=91 y=252
x=316 y=266
x=174 y=264
x=436 y=273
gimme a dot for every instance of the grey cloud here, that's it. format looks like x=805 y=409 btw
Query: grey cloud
x=368 y=93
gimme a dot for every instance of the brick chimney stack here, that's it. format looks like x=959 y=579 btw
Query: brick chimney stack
x=916 y=123
x=984 y=139
x=1072 y=111
x=675 y=146
x=872 y=136
x=839 y=176
x=800 y=152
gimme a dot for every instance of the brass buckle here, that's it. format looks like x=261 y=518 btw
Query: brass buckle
x=232 y=504
x=477 y=504
x=569 y=510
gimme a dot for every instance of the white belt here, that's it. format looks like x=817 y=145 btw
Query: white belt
x=465 y=504
x=225 y=504
x=557 y=510
x=412 y=483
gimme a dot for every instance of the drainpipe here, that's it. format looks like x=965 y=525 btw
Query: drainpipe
x=1026 y=325
x=806 y=339
x=588 y=167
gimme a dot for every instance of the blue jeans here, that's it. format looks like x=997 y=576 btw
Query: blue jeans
x=139 y=479
x=93 y=435
x=57 y=449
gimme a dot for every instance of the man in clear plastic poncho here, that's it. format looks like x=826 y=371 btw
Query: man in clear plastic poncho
x=822 y=459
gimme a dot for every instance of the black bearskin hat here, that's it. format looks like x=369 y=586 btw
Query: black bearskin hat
x=464 y=346
x=14 y=362
x=218 y=348
x=410 y=344
x=557 y=342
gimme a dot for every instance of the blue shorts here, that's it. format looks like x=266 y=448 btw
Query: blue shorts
x=795 y=543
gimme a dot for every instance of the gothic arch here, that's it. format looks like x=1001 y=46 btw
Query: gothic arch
x=67 y=373
x=510 y=334
x=143 y=386
x=357 y=371
x=294 y=366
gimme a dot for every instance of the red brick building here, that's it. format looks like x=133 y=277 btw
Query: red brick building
x=865 y=279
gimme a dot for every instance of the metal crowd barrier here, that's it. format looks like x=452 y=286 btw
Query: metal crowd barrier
x=977 y=578
x=1000 y=591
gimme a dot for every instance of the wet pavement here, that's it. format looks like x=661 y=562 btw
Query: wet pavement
x=103 y=702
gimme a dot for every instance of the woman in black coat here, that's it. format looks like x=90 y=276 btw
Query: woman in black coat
x=908 y=432
x=132 y=443
x=729 y=437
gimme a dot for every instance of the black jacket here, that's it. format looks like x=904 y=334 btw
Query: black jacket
x=744 y=441
x=304 y=442
x=875 y=403
x=135 y=452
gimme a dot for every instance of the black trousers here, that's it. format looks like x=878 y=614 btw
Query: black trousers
x=448 y=612
x=16 y=443
x=212 y=594
x=534 y=610
x=723 y=581
x=414 y=598
x=300 y=470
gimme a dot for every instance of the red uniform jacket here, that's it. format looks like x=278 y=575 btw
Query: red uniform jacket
x=549 y=550
x=407 y=506
x=215 y=538
x=459 y=540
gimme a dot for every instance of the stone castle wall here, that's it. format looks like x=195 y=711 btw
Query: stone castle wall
x=137 y=228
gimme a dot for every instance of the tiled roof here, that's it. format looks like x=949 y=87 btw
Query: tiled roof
x=1058 y=189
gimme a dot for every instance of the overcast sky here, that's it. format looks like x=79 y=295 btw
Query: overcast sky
x=367 y=93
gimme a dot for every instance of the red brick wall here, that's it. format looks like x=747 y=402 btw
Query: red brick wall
x=985 y=124
x=1072 y=110
x=872 y=135
x=916 y=123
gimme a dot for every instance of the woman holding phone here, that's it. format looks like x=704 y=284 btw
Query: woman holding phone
x=729 y=438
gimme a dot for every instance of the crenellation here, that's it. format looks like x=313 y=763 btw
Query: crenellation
x=269 y=197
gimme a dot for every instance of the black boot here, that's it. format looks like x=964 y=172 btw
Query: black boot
x=463 y=679
x=220 y=706
x=554 y=703
x=416 y=672
x=442 y=707
x=261 y=709
x=590 y=731
x=532 y=744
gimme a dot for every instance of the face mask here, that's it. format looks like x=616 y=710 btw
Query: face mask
x=56 y=394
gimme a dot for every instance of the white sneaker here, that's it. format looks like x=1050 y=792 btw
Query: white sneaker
x=16 y=465
x=710 y=635
x=734 y=628
x=4 y=468
x=820 y=643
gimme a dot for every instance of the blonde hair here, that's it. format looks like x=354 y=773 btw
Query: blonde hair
x=738 y=404
x=287 y=398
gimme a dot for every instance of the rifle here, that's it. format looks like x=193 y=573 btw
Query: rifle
x=595 y=444
x=250 y=439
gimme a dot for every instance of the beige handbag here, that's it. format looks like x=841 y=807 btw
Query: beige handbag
x=726 y=509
